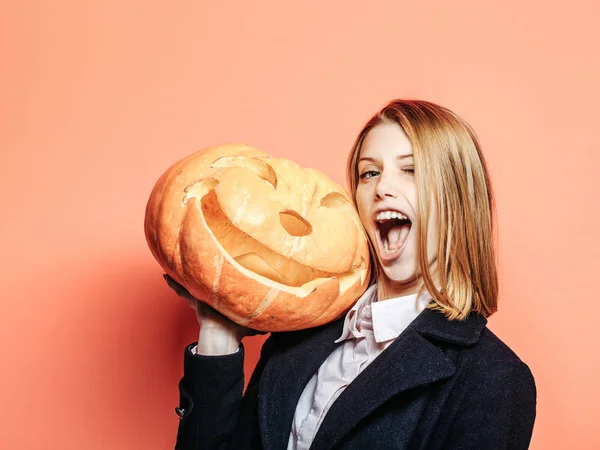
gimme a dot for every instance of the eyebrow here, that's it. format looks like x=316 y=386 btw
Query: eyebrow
x=398 y=158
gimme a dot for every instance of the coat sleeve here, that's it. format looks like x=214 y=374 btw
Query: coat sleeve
x=498 y=410
x=211 y=404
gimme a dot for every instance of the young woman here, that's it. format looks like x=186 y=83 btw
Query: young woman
x=412 y=365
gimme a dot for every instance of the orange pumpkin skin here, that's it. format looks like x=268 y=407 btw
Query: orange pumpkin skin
x=269 y=244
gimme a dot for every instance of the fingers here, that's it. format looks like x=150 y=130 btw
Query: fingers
x=174 y=284
x=180 y=291
x=204 y=311
x=207 y=311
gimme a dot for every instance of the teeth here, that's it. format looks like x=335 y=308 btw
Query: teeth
x=387 y=215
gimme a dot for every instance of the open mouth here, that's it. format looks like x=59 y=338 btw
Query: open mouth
x=392 y=229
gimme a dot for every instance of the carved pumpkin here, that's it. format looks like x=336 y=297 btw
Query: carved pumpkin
x=267 y=243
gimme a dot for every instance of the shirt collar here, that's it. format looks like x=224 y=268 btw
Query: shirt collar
x=387 y=318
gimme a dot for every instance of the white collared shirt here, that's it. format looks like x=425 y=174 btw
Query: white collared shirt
x=369 y=328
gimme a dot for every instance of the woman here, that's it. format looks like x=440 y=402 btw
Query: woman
x=412 y=365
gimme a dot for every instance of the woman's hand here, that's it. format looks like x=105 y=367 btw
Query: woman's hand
x=218 y=335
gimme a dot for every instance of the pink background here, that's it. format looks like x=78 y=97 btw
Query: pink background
x=97 y=99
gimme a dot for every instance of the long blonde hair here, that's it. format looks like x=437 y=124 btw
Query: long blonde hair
x=448 y=157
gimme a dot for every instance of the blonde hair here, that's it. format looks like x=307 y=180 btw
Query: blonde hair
x=448 y=159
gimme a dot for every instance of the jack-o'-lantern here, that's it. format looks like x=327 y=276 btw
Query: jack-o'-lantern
x=269 y=244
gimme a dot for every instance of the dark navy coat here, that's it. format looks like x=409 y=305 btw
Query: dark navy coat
x=440 y=385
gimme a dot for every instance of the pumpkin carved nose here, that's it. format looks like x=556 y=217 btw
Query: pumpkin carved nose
x=294 y=223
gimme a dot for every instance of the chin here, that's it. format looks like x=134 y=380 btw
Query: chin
x=399 y=278
x=397 y=272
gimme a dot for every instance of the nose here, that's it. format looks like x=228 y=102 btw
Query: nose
x=385 y=188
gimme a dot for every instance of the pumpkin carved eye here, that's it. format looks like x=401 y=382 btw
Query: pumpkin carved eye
x=258 y=166
x=335 y=200
x=198 y=189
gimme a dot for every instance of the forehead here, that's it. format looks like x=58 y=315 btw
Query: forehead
x=385 y=141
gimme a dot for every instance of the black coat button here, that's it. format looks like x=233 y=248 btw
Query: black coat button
x=180 y=412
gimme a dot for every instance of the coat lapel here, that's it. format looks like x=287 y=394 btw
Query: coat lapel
x=409 y=362
x=412 y=360
x=289 y=369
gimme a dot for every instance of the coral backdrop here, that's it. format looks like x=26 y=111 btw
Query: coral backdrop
x=97 y=99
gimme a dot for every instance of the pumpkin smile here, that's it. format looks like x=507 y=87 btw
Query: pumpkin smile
x=251 y=254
